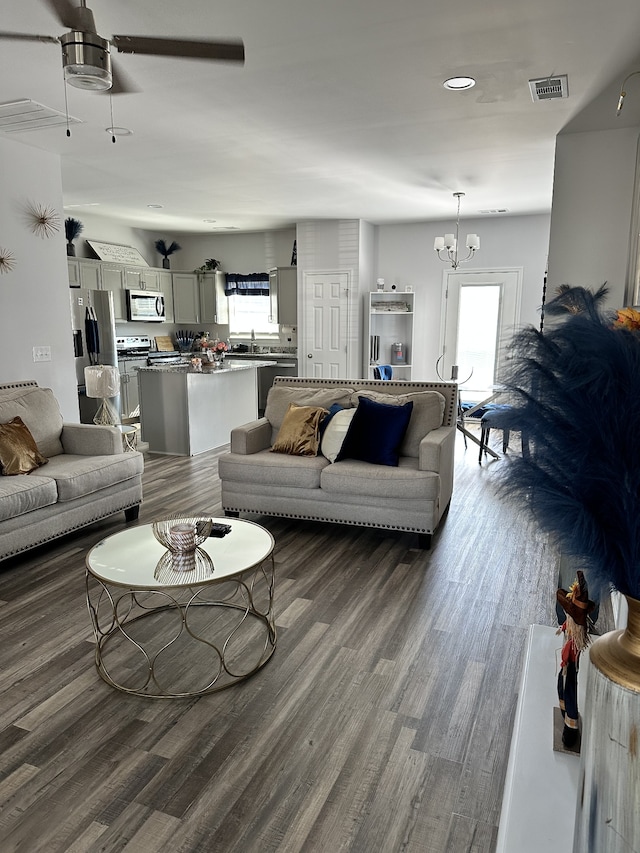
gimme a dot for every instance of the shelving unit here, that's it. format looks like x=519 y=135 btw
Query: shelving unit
x=390 y=321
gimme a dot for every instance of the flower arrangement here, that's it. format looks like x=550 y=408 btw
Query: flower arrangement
x=576 y=397
x=218 y=347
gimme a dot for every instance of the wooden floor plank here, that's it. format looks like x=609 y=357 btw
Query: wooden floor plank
x=381 y=724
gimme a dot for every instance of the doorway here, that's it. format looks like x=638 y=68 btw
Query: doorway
x=323 y=340
x=480 y=312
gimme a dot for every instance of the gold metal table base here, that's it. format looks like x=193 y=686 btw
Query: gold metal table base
x=177 y=642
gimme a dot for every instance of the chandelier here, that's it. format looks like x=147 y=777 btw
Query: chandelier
x=447 y=246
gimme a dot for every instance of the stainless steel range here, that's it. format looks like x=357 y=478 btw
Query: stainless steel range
x=133 y=346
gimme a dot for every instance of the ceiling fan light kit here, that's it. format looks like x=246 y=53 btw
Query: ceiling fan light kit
x=86 y=61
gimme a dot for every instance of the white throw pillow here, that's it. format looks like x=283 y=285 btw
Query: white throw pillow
x=335 y=433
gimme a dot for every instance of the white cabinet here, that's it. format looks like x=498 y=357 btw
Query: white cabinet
x=186 y=298
x=390 y=334
x=283 y=296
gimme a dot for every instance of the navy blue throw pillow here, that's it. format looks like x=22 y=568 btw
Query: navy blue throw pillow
x=334 y=408
x=376 y=432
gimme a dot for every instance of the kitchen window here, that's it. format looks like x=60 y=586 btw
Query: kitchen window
x=248 y=313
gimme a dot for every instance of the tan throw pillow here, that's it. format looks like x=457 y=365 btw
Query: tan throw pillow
x=280 y=396
x=19 y=453
x=298 y=434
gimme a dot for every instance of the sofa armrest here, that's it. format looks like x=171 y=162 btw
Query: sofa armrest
x=437 y=451
x=91 y=439
x=251 y=437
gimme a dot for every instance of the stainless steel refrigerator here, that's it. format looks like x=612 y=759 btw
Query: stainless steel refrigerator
x=94 y=340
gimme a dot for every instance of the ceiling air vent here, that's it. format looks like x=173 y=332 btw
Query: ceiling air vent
x=18 y=116
x=548 y=88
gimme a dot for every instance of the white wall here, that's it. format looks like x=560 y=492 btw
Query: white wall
x=591 y=214
x=34 y=296
x=105 y=230
x=405 y=256
x=245 y=253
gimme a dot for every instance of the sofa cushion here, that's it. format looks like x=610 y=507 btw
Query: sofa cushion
x=335 y=433
x=279 y=398
x=19 y=453
x=77 y=476
x=427 y=415
x=266 y=468
x=406 y=481
x=39 y=410
x=24 y=493
x=376 y=432
x=299 y=432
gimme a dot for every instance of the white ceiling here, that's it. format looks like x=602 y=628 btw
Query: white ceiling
x=338 y=111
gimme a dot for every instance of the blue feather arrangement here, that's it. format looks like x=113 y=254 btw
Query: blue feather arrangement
x=576 y=394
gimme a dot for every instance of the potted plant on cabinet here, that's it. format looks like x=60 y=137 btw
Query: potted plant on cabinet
x=72 y=229
x=166 y=249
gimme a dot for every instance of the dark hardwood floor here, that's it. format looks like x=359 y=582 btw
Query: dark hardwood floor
x=381 y=724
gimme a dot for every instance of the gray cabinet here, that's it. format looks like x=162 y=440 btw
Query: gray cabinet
x=165 y=280
x=142 y=278
x=186 y=298
x=129 y=390
x=84 y=272
x=207 y=288
x=283 y=296
x=113 y=280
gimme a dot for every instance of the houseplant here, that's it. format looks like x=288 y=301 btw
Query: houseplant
x=166 y=249
x=72 y=229
x=576 y=396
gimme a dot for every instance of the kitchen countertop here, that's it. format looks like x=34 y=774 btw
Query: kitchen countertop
x=270 y=354
x=228 y=366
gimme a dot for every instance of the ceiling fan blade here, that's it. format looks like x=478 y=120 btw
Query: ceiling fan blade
x=226 y=51
x=121 y=83
x=28 y=37
x=64 y=10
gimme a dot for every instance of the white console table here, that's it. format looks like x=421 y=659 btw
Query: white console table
x=539 y=801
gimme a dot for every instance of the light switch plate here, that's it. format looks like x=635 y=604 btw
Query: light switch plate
x=42 y=353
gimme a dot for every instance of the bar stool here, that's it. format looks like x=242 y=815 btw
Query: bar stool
x=499 y=416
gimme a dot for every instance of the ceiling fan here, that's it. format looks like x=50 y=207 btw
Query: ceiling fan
x=86 y=56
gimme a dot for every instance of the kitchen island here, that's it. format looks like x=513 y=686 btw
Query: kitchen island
x=184 y=412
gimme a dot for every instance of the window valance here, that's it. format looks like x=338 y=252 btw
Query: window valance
x=247 y=284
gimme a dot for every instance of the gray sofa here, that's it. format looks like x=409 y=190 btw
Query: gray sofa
x=87 y=476
x=411 y=497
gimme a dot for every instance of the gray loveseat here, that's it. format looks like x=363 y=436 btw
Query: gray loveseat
x=87 y=477
x=411 y=497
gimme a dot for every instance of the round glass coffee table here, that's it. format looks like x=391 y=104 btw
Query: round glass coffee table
x=168 y=629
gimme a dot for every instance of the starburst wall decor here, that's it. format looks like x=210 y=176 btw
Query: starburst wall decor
x=44 y=220
x=7 y=261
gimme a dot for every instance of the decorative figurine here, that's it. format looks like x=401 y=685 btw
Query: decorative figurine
x=577 y=607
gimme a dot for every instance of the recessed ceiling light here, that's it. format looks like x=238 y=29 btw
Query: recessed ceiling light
x=156 y=206
x=118 y=131
x=458 y=84
x=208 y=220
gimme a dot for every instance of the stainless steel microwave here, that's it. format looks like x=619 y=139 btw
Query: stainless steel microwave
x=145 y=306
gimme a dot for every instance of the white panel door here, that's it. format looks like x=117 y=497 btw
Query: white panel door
x=501 y=287
x=323 y=350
